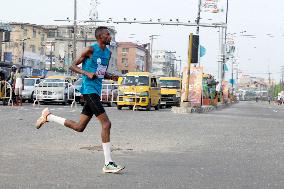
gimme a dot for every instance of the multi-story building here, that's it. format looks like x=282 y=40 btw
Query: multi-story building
x=246 y=81
x=59 y=44
x=26 y=46
x=132 y=57
x=5 y=30
x=163 y=63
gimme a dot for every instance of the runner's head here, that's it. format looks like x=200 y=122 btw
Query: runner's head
x=103 y=35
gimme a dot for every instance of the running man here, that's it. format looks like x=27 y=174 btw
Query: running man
x=95 y=60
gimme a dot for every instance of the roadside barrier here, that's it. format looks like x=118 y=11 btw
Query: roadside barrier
x=63 y=92
x=6 y=92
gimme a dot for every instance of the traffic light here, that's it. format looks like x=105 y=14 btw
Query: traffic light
x=195 y=49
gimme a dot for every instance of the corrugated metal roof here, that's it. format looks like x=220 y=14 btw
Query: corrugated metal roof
x=5 y=26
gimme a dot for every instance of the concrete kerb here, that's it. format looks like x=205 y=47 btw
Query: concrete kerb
x=202 y=109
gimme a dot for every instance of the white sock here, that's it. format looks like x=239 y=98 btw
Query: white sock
x=56 y=119
x=106 y=148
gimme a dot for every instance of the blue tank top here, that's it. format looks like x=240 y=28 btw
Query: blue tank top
x=98 y=64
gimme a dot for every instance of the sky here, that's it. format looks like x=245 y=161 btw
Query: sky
x=256 y=56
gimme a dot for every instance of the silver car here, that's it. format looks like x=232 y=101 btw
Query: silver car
x=29 y=88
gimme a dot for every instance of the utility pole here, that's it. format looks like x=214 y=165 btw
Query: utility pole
x=75 y=30
x=197 y=27
x=188 y=69
x=269 y=82
x=232 y=76
x=269 y=78
x=50 y=54
x=282 y=77
x=198 y=17
x=152 y=37
x=23 y=48
x=68 y=54
x=227 y=10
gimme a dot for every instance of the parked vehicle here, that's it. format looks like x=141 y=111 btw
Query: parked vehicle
x=55 y=89
x=29 y=89
x=139 y=89
x=170 y=91
x=108 y=95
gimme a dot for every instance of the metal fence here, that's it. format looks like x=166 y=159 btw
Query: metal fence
x=63 y=92
x=6 y=93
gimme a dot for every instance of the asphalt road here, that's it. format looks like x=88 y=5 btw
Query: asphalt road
x=241 y=146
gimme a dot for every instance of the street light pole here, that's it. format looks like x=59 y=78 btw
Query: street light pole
x=75 y=30
x=152 y=41
x=23 y=48
x=198 y=17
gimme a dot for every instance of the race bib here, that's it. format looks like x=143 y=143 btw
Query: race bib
x=101 y=70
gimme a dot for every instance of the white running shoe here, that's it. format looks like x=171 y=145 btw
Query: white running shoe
x=43 y=118
x=112 y=168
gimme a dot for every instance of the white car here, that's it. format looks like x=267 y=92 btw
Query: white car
x=55 y=90
x=29 y=88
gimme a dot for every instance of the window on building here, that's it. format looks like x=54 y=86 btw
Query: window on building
x=41 y=51
x=51 y=33
x=34 y=32
x=124 y=61
x=42 y=37
x=33 y=48
x=25 y=31
x=125 y=50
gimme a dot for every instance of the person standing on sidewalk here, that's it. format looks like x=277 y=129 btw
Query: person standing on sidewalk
x=95 y=60
x=19 y=86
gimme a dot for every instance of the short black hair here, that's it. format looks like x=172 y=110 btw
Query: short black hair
x=100 y=30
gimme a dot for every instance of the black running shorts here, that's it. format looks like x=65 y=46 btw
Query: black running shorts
x=92 y=105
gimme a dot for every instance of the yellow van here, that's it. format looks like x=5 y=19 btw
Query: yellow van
x=139 y=89
x=170 y=91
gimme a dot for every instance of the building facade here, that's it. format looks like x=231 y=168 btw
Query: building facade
x=5 y=30
x=26 y=46
x=163 y=63
x=59 y=45
x=132 y=57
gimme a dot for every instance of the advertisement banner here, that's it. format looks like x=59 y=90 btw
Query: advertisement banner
x=225 y=88
x=210 y=6
x=195 y=85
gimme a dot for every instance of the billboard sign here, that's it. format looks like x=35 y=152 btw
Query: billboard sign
x=195 y=85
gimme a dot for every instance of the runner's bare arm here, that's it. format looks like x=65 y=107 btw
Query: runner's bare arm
x=85 y=54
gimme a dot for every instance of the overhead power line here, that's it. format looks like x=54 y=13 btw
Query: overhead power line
x=151 y=21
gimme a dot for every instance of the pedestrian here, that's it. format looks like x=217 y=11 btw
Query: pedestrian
x=95 y=60
x=11 y=81
x=269 y=99
x=19 y=86
x=11 y=76
x=218 y=90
